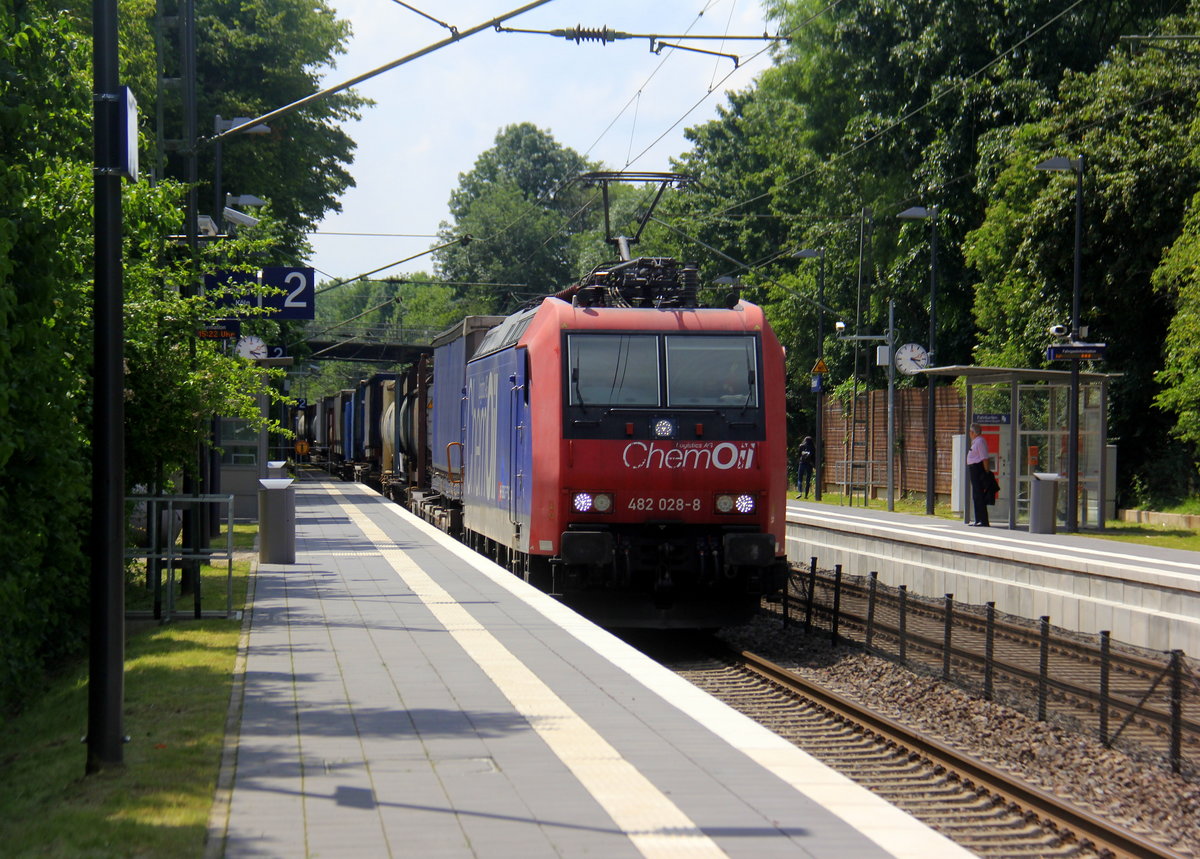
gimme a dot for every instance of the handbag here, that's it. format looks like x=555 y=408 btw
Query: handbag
x=991 y=489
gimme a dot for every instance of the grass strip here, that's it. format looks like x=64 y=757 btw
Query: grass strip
x=178 y=678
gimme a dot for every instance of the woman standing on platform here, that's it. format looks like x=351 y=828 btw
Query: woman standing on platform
x=977 y=467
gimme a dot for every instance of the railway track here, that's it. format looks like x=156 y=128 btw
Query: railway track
x=1026 y=664
x=984 y=809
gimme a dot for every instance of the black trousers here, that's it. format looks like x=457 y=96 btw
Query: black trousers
x=979 y=507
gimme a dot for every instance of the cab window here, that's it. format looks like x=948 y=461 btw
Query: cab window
x=613 y=370
x=711 y=371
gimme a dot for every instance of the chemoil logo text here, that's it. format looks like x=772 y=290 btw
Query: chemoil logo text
x=697 y=457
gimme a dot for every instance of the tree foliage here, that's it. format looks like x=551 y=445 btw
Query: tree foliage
x=46 y=254
x=874 y=107
x=44 y=347
x=521 y=211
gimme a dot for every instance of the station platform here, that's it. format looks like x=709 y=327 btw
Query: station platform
x=399 y=695
x=1144 y=595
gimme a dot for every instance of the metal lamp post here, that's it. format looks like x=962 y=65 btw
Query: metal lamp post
x=1061 y=163
x=931 y=213
x=818 y=253
x=221 y=125
x=889 y=339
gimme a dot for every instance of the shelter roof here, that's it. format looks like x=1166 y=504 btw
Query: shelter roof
x=1006 y=375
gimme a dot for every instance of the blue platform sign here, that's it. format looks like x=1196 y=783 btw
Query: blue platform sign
x=292 y=290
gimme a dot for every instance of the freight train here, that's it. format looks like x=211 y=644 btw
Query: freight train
x=616 y=444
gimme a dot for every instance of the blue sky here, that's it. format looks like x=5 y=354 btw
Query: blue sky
x=617 y=103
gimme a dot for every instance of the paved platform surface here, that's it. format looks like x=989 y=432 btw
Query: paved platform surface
x=1083 y=545
x=401 y=696
x=1145 y=596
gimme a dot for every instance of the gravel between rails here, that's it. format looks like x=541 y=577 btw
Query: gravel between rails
x=1143 y=795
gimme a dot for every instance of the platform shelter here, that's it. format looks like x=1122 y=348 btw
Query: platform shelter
x=1023 y=414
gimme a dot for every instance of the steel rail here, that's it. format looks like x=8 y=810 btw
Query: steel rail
x=1102 y=834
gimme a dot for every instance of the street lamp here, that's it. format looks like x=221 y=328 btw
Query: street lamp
x=221 y=125
x=889 y=339
x=818 y=253
x=930 y=214
x=1060 y=163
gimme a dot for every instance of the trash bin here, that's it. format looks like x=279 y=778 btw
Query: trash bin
x=277 y=468
x=276 y=521
x=1043 y=502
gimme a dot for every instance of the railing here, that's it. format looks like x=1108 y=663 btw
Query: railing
x=1083 y=681
x=162 y=553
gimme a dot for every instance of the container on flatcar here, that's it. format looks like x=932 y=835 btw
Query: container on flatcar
x=451 y=351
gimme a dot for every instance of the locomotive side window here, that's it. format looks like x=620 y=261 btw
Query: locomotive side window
x=613 y=370
x=711 y=371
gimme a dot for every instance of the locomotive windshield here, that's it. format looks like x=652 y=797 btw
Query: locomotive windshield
x=711 y=371
x=614 y=370
x=653 y=371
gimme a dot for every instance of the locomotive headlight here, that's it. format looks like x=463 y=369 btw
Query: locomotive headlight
x=592 y=502
x=664 y=428
x=744 y=503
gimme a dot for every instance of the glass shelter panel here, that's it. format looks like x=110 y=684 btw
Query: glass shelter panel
x=239 y=442
x=1043 y=441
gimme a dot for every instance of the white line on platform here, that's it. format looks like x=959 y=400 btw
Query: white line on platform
x=892 y=829
x=655 y=825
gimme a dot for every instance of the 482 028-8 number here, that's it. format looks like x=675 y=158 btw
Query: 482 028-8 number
x=647 y=503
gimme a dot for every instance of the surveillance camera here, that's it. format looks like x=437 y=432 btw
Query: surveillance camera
x=205 y=226
x=840 y=326
x=240 y=218
x=1058 y=330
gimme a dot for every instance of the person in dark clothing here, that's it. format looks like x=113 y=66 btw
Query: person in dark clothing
x=805 y=466
x=977 y=467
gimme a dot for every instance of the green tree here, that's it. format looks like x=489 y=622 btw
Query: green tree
x=44 y=343
x=875 y=107
x=521 y=210
x=1179 y=277
x=1132 y=119
x=46 y=339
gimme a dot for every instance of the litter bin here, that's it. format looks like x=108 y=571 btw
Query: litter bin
x=1043 y=502
x=277 y=468
x=276 y=521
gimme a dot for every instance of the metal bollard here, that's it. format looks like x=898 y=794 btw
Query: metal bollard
x=276 y=521
x=1176 y=710
x=787 y=587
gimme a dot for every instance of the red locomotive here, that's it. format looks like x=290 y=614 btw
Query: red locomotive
x=617 y=445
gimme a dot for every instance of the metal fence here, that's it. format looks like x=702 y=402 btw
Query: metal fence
x=163 y=554
x=1143 y=701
